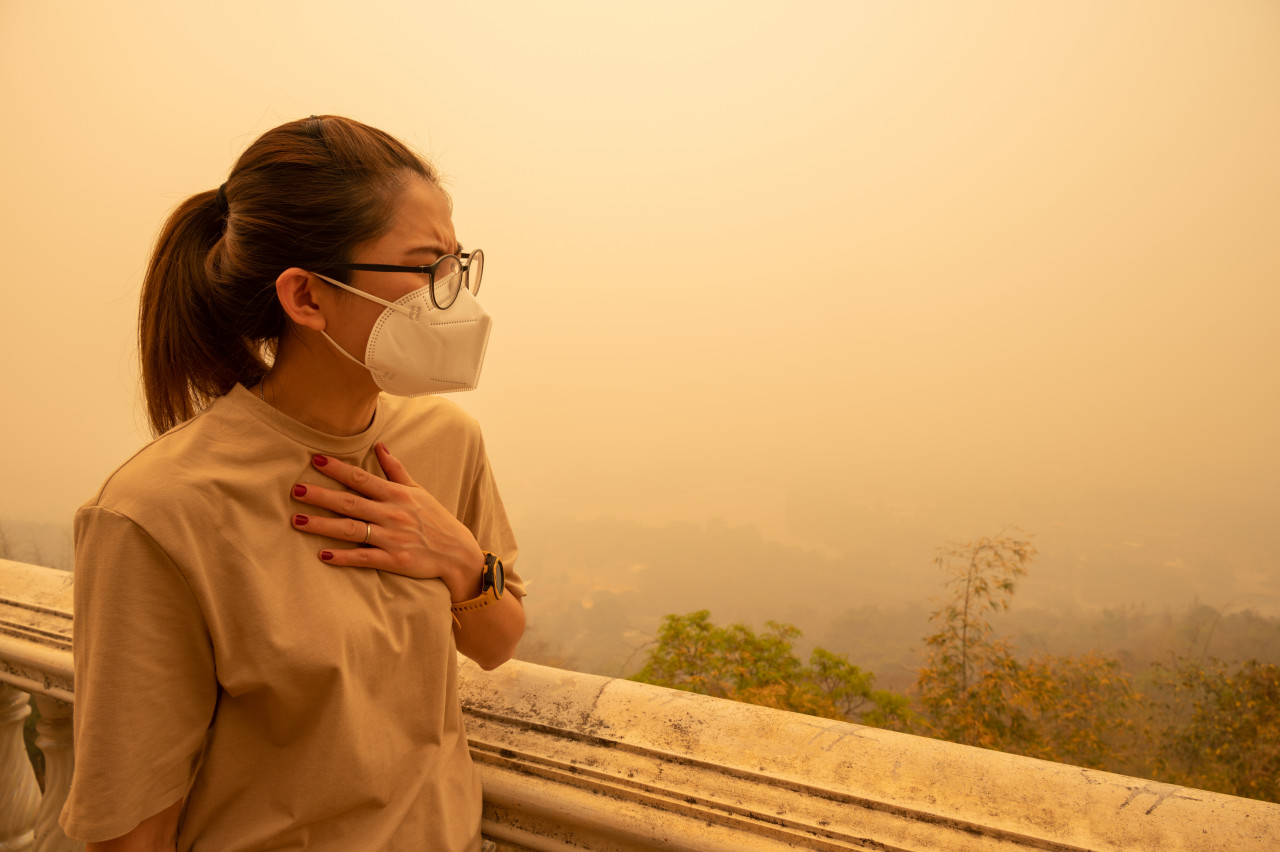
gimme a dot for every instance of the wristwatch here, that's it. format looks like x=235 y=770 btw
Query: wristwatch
x=492 y=584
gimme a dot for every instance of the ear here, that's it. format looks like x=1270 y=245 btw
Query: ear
x=298 y=290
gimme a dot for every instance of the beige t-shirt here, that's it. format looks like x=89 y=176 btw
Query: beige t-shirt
x=294 y=703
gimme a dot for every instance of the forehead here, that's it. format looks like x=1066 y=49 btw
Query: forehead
x=422 y=220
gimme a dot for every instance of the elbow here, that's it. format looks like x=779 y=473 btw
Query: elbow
x=492 y=662
x=495 y=656
x=506 y=649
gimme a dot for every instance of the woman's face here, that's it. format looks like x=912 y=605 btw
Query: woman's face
x=421 y=233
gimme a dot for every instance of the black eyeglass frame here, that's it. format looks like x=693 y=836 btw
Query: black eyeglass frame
x=464 y=264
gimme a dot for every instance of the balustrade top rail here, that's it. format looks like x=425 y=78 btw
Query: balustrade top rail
x=574 y=761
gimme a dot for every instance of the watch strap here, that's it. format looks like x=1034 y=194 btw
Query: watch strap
x=489 y=594
x=481 y=601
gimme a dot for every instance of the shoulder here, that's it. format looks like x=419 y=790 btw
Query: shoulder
x=431 y=417
x=169 y=470
x=125 y=526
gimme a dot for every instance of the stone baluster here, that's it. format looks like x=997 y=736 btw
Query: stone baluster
x=53 y=736
x=19 y=792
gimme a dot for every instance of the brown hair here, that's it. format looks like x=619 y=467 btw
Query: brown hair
x=310 y=191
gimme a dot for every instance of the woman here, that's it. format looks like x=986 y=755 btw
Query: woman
x=269 y=595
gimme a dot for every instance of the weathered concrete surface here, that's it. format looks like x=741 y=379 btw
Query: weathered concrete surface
x=571 y=760
x=35 y=629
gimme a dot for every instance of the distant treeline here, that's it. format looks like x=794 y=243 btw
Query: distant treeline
x=612 y=636
x=889 y=640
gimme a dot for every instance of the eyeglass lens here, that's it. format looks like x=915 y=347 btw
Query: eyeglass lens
x=475 y=270
x=450 y=277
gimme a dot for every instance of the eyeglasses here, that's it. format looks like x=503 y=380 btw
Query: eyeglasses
x=446 y=277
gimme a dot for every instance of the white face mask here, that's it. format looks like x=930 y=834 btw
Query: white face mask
x=416 y=349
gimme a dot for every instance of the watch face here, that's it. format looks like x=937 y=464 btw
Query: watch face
x=493 y=576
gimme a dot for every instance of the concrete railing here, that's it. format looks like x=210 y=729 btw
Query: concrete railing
x=574 y=761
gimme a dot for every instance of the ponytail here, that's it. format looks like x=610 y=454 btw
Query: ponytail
x=309 y=191
x=188 y=355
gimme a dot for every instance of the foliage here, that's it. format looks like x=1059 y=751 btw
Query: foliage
x=1231 y=742
x=852 y=692
x=1084 y=710
x=735 y=662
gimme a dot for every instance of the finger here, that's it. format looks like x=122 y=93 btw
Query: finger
x=355 y=478
x=391 y=466
x=356 y=557
x=364 y=558
x=343 y=529
x=341 y=502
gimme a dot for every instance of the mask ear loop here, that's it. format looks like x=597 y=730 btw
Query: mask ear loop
x=409 y=312
x=353 y=359
x=412 y=313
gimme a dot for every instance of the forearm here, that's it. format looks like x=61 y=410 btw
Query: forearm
x=489 y=635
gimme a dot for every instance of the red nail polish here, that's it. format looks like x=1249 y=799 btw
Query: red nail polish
x=299 y=491
x=319 y=461
x=326 y=555
x=384 y=448
x=300 y=520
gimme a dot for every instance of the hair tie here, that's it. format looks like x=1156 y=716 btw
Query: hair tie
x=223 y=207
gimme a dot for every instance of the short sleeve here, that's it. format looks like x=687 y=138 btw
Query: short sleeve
x=486 y=517
x=145 y=684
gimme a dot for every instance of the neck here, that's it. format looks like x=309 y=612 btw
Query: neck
x=319 y=388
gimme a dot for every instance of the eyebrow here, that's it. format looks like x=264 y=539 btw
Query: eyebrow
x=437 y=250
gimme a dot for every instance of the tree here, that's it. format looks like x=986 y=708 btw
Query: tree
x=735 y=662
x=974 y=690
x=970 y=687
x=852 y=692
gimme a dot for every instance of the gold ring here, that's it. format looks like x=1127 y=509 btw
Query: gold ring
x=368 y=532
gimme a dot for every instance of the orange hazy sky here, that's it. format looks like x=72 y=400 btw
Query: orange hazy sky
x=762 y=262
